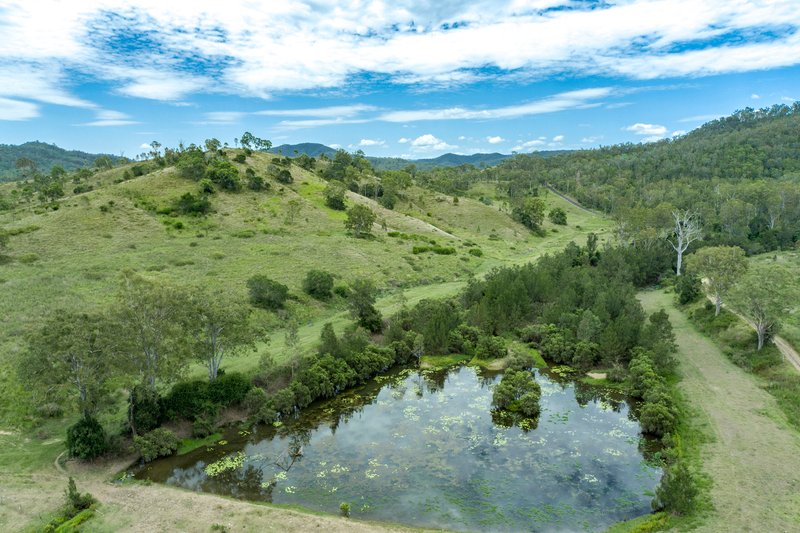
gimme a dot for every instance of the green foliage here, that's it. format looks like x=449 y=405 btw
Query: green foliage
x=334 y=194
x=558 y=216
x=189 y=204
x=689 y=289
x=360 y=219
x=489 y=348
x=192 y=164
x=440 y=250
x=328 y=342
x=530 y=212
x=344 y=509
x=144 y=409
x=157 y=443
x=722 y=266
x=254 y=181
x=267 y=293
x=361 y=302
x=284 y=176
x=186 y=399
x=319 y=284
x=678 y=491
x=240 y=158
x=519 y=392
x=477 y=252
x=223 y=173
x=229 y=389
x=86 y=439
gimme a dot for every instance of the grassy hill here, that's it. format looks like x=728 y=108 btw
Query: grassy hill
x=71 y=258
x=44 y=156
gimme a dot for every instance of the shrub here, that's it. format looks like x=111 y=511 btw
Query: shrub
x=342 y=291
x=158 y=443
x=463 y=339
x=229 y=389
x=145 y=409
x=186 y=399
x=224 y=174
x=240 y=158
x=344 y=509
x=360 y=219
x=285 y=177
x=491 y=348
x=205 y=425
x=439 y=250
x=477 y=252
x=76 y=502
x=558 y=216
x=334 y=195
x=689 y=289
x=189 y=204
x=86 y=439
x=267 y=293
x=255 y=182
x=318 y=284
x=677 y=491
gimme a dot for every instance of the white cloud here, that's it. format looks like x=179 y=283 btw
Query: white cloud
x=304 y=45
x=493 y=139
x=788 y=99
x=371 y=142
x=528 y=145
x=591 y=139
x=580 y=99
x=145 y=146
x=403 y=140
x=17 y=110
x=755 y=96
x=319 y=112
x=107 y=123
x=224 y=117
x=558 y=138
x=430 y=143
x=678 y=133
x=647 y=129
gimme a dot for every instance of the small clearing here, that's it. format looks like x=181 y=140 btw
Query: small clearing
x=753 y=457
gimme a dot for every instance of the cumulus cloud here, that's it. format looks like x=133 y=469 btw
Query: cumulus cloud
x=641 y=128
x=493 y=139
x=302 y=44
x=678 y=133
x=403 y=140
x=371 y=142
x=430 y=143
x=558 y=138
x=755 y=96
x=528 y=145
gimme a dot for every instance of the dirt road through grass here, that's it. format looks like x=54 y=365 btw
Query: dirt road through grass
x=754 y=457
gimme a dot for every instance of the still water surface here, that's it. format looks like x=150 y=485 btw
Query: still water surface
x=423 y=448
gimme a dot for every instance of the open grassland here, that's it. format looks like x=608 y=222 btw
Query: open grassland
x=752 y=454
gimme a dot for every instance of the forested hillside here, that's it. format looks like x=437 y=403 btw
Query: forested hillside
x=736 y=176
x=19 y=161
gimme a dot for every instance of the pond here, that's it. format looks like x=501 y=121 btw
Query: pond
x=423 y=448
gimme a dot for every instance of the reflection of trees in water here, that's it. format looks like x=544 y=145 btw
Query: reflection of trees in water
x=585 y=393
x=508 y=419
x=245 y=483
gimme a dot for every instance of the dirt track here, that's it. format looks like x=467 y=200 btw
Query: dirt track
x=754 y=457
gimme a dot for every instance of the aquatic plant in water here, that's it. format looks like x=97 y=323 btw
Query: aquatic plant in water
x=231 y=462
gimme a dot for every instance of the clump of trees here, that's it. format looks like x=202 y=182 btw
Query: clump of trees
x=360 y=219
x=518 y=392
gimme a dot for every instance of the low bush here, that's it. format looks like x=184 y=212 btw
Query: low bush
x=86 y=439
x=267 y=293
x=229 y=389
x=157 y=443
x=318 y=284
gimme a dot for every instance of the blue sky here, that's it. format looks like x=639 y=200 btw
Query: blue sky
x=402 y=78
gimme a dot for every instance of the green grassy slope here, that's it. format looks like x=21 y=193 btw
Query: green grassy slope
x=72 y=257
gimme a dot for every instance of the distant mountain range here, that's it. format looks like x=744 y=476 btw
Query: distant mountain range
x=396 y=163
x=44 y=156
